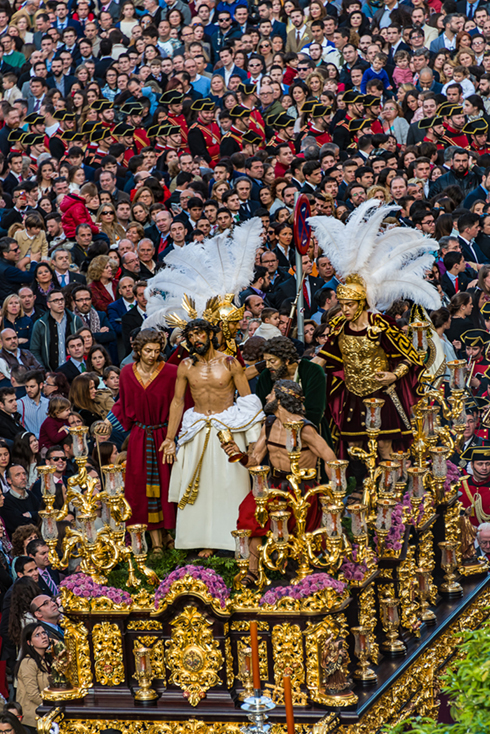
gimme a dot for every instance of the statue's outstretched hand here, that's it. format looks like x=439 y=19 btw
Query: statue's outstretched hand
x=385 y=379
x=168 y=448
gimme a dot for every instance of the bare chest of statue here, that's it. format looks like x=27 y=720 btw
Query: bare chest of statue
x=362 y=358
x=212 y=385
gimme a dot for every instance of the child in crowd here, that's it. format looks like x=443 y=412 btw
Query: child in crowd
x=268 y=329
x=376 y=71
x=32 y=238
x=55 y=428
x=402 y=74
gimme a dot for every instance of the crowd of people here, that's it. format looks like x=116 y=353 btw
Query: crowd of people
x=134 y=128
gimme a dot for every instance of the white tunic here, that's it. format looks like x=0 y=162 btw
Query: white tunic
x=209 y=521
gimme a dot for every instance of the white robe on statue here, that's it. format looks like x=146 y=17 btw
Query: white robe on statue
x=209 y=521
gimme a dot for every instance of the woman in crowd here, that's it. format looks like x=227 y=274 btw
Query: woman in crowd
x=25 y=451
x=4 y=464
x=83 y=393
x=32 y=672
x=97 y=360
x=13 y=317
x=44 y=282
x=101 y=281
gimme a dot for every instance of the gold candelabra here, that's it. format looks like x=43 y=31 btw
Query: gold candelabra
x=99 y=550
x=370 y=456
x=144 y=675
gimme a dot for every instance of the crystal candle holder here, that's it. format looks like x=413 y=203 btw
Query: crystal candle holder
x=430 y=421
x=105 y=513
x=459 y=419
x=245 y=671
x=419 y=336
x=390 y=471
x=457 y=374
x=114 y=483
x=401 y=457
x=331 y=517
x=279 y=526
x=49 y=527
x=362 y=651
x=449 y=562
x=416 y=487
x=80 y=445
x=391 y=621
x=439 y=456
x=373 y=413
x=423 y=579
x=358 y=519
x=144 y=675
x=139 y=546
x=117 y=527
x=293 y=436
x=260 y=483
x=87 y=525
x=338 y=481
x=242 y=544
x=48 y=485
x=385 y=509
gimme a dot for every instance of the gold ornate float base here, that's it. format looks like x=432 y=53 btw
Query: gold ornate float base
x=412 y=690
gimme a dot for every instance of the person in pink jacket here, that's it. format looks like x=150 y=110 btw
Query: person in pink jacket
x=75 y=212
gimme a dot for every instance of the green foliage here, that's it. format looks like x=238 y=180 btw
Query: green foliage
x=467 y=682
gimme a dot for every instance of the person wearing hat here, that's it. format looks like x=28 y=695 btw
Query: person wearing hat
x=476 y=343
x=471 y=439
x=354 y=103
x=252 y=142
x=357 y=128
x=156 y=138
x=372 y=107
x=434 y=130
x=37 y=124
x=173 y=138
x=247 y=94
x=232 y=142
x=103 y=137
x=124 y=134
x=172 y=101
x=36 y=145
x=283 y=126
x=57 y=146
x=204 y=136
x=105 y=112
x=477 y=131
x=475 y=488
x=134 y=118
x=318 y=124
x=454 y=122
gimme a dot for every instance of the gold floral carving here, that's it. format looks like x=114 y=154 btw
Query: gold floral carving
x=230 y=676
x=243 y=625
x=195 y=587
x=426 y=559
x=76 y=640
x=157 y=654
x=453 y=530
x=143 y=601
x=193 y=655
x=192 y=726
x=367 y=618
x=244 y=642
x=408 y=591
x=144 y=625
x=45 y=723
x=72 y=603
x=288 y=655
x=108 y=654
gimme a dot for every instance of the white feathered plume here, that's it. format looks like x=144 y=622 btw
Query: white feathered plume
x=202 y=270
x=392 y=262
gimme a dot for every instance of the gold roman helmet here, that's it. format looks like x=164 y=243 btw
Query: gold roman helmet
x=354 y=289
x=219 y=310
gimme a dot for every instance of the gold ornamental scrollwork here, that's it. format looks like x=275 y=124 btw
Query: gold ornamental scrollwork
x=195 y=587
x=315 y=635
x=243 y=625
x=426 y=559
x=157 y=654
x=452 y=527
x=144 y=625
x=148 y=727
x=287 y=651
x=230 y=676
x=245 y=642
x=76 y=641
x=193 y=655
x=367 y=618
x=108 y=654
x=408 y=591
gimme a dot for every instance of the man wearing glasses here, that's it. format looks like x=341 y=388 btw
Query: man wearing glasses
x=49 y=334
x=49 y=578
x=11 y=276
x=46 y=610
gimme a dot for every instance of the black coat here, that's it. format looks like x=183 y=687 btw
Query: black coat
x=69 y=370
x=10 y=425
x=287 y=292
x=466 y=183
x=43 y=585
x=448 y=287
x=131 y=320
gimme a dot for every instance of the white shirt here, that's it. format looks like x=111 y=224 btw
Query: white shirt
x=128 y=304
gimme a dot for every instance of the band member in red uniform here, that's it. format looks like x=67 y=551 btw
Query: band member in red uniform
x=475 y=490
x=204 y=134
x=454 y=122
x=283 y=126
x=105 y=112
x=35 y=143
x=157 y=140
x=252 y=142
x=477 y=132
x=354 y=101
x=372 y=106
x=67 y=121
x=124 y=134
x=357 y=128
x=476 y=344
x=434 y=130
x=103 y=137
x=247 y=94
x=173 y=102
x=319 y=123
x=232 y=142
x=134 y=112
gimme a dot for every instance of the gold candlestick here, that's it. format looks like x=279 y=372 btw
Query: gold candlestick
x=144 y=675
x=391 y=621
x=362 y=649
x=245 y=672
x=423 y=578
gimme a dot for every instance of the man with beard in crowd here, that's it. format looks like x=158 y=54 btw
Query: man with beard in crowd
x=207 y=488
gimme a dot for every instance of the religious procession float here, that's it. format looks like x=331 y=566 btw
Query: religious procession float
x=346 y=626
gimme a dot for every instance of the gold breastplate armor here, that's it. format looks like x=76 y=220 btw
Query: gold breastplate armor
x=362 y=358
